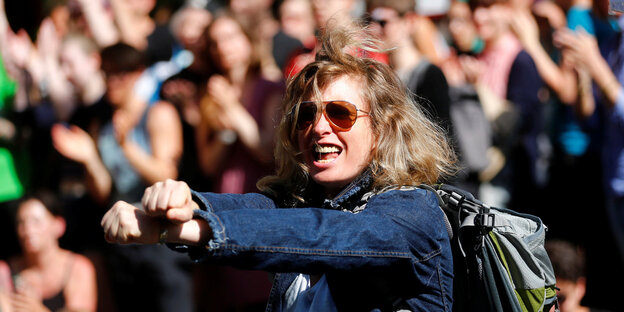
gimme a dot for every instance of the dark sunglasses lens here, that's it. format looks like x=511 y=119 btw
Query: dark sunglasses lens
x=306 y=116
x=341 y=114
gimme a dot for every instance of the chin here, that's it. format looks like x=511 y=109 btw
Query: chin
x=330 y=182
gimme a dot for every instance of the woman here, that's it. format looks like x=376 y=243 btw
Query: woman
x=239 y=110
x=350 y=146
x=45 y=277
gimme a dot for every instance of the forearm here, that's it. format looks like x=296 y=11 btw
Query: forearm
x=605 y=79
x=211 y=150
x=586 y=105
x=560 y=81
x=125 y=24
x=195 y=232
x=99 y=183
x=151 y=169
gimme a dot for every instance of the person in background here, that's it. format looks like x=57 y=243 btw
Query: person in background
x=239 y=111
x=511 y=79
x=45 y=277
x=297 y=20
x=394 y=22
x=235 y=137
x=140 y=143
x=568 y=262
x=605 y=66
x=327 y=13
x=351 y=143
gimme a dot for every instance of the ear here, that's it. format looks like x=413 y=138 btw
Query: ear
x=59 y=227
x=581 y=287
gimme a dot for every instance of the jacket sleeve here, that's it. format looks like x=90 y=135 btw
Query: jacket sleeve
x=396 y=226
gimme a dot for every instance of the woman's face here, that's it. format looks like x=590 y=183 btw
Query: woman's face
x=37 y=228
x=228 y=44
x=461 y=26
x=191 y=29
x=337 y=157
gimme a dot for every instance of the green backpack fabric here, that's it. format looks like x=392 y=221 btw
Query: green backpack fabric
x=500 y=263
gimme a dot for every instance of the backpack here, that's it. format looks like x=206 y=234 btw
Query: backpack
x=500 y=263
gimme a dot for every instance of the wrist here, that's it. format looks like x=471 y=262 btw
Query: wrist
x=163 y=233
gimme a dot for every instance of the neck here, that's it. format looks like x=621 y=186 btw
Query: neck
x=238 y=74
x=495 y=41
x=133 y=108
x=583 y=3
x=43 y=258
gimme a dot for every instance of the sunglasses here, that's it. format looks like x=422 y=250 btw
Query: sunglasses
x=340 y=114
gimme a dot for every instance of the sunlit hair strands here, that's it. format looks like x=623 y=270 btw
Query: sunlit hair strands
x=410 y=148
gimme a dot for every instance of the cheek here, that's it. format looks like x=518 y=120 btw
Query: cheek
x=363 y=145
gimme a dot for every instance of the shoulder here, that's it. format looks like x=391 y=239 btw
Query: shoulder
x=524 y=69
x=414 y=210
x=82 y=265
x=523 y=58
x=162 y=113
x=413 y=200
x=268 y=86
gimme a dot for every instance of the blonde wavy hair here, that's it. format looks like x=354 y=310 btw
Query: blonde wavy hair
x=410 y=148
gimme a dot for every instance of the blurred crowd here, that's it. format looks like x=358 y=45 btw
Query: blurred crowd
x=102 y=98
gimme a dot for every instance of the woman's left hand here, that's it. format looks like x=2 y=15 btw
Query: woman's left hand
x=171 y=199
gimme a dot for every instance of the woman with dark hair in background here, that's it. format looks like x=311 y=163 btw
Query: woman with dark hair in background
x=45 y=277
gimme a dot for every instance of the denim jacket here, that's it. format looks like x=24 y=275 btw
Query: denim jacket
x=384 y=253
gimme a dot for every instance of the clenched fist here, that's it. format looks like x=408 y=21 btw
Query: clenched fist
x=171 y=199
x=127 y=224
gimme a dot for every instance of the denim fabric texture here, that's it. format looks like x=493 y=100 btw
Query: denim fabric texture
x=393 y=254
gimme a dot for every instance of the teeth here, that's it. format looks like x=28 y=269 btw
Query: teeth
x=326 y=149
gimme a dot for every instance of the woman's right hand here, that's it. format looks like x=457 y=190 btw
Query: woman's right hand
x=171 y=199
x=127 y=224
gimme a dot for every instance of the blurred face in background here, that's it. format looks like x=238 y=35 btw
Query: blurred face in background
x=461 y=26
x=229 y=46
x=570 y=294
x=78 y=65
x=37 y=228
x=119 y=87
x=192 y=26
x=491 y=21
x=250 y=7
x=297 y=19
x=328 y=9
x=390 y=26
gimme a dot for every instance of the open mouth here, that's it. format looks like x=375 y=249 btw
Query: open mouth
x=326 y=153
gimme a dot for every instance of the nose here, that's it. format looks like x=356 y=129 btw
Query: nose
x=322 y=125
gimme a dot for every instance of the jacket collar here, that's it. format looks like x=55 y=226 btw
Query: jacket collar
x=351 y=196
